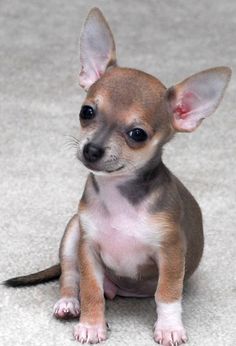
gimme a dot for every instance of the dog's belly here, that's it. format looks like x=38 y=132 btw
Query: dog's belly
x=130 y=270
x=123 y=253
x=122 y=240
x=144 y=286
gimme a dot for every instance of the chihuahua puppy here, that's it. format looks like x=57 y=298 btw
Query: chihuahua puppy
x=138 y=231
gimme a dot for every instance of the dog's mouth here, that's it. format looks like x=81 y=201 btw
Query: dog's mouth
x=114 y=170
x=97 y=169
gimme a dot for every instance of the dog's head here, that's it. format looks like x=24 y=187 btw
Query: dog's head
x=128 y=115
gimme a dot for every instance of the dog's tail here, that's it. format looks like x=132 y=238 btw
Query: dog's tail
x=43 y=276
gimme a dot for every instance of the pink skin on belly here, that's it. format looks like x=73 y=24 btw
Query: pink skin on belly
x=122 y=250
x=121 y=235
x=124 y=254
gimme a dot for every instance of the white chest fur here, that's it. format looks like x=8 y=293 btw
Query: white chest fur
x=119 y=230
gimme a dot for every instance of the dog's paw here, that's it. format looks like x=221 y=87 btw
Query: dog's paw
x=66 y=308
x=89 y=333
x=171 y=336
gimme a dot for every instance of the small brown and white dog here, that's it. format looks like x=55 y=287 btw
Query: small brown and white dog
x=138 y=231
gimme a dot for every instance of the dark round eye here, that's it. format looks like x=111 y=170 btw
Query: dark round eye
x=87 y=113
x=138 y=135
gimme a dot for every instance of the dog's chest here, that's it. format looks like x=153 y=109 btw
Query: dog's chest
x=120 y=231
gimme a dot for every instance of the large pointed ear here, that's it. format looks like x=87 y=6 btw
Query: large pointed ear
x=97 y=48
x=197 y=97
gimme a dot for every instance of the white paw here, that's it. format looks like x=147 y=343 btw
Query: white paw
x=67 y=307
x=91 y=334
x=170 y=336
x=169 y=329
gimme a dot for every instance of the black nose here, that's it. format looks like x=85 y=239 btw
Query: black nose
x=92 y=152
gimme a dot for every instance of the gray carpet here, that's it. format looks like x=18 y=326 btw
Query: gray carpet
x=41 y=181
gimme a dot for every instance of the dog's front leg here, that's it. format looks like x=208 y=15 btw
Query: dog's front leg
x=169 y=329
x=68 y=305
x=92 y=326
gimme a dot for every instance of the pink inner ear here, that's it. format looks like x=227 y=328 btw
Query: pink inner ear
x=187 y=103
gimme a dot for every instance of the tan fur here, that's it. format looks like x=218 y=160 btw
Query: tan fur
x=69 y=285
x=171 y=261
x=91 y=293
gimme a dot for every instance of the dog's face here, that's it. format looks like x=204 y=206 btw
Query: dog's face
x=128 y=115
x=123 y=122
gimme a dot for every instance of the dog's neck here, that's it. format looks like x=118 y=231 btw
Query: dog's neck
x=136 y=187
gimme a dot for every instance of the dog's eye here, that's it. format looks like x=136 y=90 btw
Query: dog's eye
x=87 y=113
x=138 y=135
